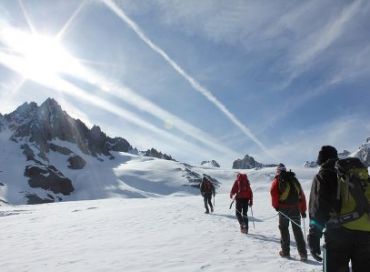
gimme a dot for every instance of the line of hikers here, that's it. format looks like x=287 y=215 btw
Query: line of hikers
x=339 y=209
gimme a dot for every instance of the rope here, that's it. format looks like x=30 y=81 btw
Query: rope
x=287 y=217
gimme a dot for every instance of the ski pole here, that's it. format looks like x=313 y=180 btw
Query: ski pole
x=214 y=200
x=287 y=217
x=325 y=268
x=304 y=230
x=253 y=218
x=231 y=204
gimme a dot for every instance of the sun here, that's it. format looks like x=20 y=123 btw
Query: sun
x=40 y=55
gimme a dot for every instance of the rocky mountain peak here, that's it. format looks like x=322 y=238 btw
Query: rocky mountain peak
x=211 y=163
x=248 y=162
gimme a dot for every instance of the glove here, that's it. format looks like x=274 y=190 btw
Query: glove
x=313 y=240
x=250 y=204
x=277 y=209
x=231 y=196
x=303 y=215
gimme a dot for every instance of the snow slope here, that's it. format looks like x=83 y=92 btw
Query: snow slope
x=168 y=233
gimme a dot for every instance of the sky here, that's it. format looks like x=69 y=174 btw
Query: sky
x=199 y=80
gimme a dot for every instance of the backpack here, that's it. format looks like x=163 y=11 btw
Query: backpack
x=207 y=186
x=289 y=188
x=243 y=183
x=353 y=192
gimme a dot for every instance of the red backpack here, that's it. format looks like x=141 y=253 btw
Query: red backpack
x=244 y=189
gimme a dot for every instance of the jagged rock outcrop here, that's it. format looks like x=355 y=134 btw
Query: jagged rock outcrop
x=41 y=124
x=157 y=154
x=211 y=163
x=248 y=162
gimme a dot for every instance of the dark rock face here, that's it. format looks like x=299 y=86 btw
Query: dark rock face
x=212 y=163
x=247 y=162
x=48 y=178
x=157 y=154
x=76 y=162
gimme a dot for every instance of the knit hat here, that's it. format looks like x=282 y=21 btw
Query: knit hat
x=327 y=152
x=281 y=167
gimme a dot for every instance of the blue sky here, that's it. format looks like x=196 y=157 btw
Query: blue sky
x=199 y=80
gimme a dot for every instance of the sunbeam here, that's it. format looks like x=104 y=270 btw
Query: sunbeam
x=27 y=17
x=70 y=20
x=196 y=85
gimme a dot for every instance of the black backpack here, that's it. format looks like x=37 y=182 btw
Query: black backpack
x=289 y=188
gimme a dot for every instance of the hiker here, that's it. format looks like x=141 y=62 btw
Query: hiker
x=244 y=198
x=288 y=199
x=207 y=189
x=335 y=206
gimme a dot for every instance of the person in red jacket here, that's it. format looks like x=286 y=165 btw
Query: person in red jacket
x=244 y=198
x=289 y=200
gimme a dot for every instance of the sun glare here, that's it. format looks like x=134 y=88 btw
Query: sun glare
x=42 y=56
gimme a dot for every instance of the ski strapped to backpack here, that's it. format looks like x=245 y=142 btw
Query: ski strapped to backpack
x=353 y=192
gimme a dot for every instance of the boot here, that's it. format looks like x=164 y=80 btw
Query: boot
x=284 y=254
x=243 y=229
x=303 y=257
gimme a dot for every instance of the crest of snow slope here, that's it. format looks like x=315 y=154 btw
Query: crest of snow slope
x=150 y=234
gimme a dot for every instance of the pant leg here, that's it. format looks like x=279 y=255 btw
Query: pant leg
x=245 y=212
x=205 y=203
x=238 y=211
x=210 y=201
x=298 y=234
x=361 y=255
x=338 y=250
x=284 y=233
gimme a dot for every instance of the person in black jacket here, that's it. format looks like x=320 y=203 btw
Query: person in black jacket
x=342 y=243
x=207 y=189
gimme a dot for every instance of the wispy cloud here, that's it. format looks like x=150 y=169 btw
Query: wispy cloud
x=319 y=41
x=196 y=85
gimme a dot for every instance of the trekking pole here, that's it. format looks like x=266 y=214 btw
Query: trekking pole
x=325 y=268
x=232 y=202
x=253 y=218
x=304 y=230
x=287 y=217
